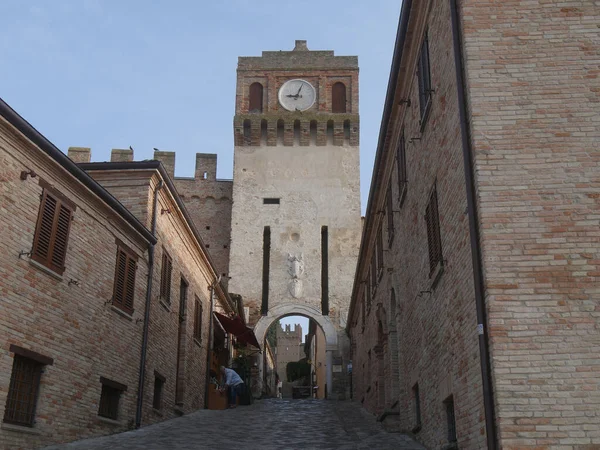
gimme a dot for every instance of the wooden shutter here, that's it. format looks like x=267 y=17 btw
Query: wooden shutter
x=52 y=232
x=433 y=232
x=124 y=290
x=165 y=277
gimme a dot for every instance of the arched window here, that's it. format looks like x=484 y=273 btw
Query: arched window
x=256 y=98
x=338 y=98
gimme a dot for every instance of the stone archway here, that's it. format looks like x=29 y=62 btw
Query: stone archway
x=279 y=311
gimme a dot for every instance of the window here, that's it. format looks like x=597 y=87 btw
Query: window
x=434 y=239
x=271 y=201
x=165 y=277
x=338 y=98
x=390 y=215
x=256 y=98
x=401 y=162
x=424 y=76
x=24 y=386
x=109 y=398
x=417 y=400
x=198 y=320
x=159 y=383
x=379 y=251
x=124 y=289
x=449 y=403
x=52 y=231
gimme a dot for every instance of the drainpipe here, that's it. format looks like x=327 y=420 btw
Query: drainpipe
x=142 y=371
x=484 y=356
x=210 y=340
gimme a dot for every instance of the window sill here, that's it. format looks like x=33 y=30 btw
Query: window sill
x=437 y=274
x=121 y=312
x=165 y=305
x=198 y=342
x=45 y=269
x=20 y=428
x=108 y=421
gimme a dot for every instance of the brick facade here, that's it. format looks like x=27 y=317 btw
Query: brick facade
x=71 y=318
x=530 y=74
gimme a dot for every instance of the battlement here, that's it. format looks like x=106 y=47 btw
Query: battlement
x=296 y=129
x=289 y=333
x=298 y=58
x=206 y=163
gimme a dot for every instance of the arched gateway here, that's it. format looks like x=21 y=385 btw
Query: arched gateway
x=276 y=313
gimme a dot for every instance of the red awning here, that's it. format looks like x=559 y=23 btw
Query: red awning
x=237 y=327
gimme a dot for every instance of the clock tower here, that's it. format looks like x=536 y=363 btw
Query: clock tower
x=295 y=229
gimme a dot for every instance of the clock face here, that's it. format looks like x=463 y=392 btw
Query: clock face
x=297 y=95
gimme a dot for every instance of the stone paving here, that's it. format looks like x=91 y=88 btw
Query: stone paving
x=265 y=425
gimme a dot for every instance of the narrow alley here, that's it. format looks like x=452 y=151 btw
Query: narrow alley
x=267 y=424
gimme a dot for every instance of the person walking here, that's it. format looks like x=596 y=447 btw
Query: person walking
x=231 y=381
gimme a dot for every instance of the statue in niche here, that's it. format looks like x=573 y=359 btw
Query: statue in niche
x=295 y=269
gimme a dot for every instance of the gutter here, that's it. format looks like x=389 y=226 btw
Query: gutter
x=142 y=371
x=74 y=169
x=210 y=341
x=484 y=356
x=383 y=130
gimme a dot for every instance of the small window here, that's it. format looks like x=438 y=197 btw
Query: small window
x=124 y=288
x=434 y=239
x=159 y=383
x=417 y=400
x=338 y=98
x=165 y=277
x=270 y=201
x=401 y=163
x=23 y=391
x=256 y=98
x=198 y=320
x=110 y=397
x=424 y=76
x=52 y=232
x=449 y=404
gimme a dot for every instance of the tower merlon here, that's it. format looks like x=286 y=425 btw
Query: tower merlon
x=80 y=154
x=121 y=155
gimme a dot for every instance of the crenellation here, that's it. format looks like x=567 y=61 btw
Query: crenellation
x=80 y=154
x=168 y=161
x=121 y=155
x=206 y=166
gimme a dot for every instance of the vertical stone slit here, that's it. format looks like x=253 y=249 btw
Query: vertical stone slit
x=313 y=132
x=264 y=309
x=324 y=271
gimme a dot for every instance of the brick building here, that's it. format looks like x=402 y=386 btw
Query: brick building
x=96 y=291
x=474 y=315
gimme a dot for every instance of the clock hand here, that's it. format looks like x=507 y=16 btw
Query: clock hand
x=298 y=93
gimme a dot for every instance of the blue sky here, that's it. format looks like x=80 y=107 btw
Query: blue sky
x=112 y=74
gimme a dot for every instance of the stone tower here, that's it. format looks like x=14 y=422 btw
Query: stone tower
x=296 y=227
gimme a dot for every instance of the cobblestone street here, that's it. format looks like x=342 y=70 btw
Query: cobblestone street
x=267 y=424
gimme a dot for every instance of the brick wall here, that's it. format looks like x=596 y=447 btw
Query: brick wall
x=418 y=330
x=73 y=323
x=533 y=89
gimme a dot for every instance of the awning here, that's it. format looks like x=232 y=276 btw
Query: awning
x=238 y=328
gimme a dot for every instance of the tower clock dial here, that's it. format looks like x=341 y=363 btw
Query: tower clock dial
x=297 y=95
